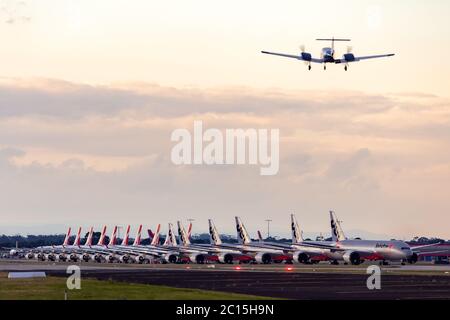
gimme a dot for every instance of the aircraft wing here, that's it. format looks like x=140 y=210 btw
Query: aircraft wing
x=356 y=59
x=415 y=248
x=432 y=253
x=375 y=56
x=298 y=57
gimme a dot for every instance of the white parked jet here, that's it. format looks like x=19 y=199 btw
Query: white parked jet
x=356 y=251
x=328 y=55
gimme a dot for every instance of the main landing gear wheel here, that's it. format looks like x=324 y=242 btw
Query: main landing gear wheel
x=309 y=67
x=346 y=68
x=325 y=67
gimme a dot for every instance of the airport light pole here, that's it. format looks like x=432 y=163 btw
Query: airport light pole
x=268 y=227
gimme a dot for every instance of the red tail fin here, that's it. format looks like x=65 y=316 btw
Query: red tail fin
x=77 y=238
x=101 y=241
x=189 y=231
x=155 y=240
x=66 y=239
x=137 y=240
x=125 y=238
x=112 y=241
x=89 y=238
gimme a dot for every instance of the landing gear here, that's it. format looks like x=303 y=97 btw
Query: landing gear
x=346 y=68
x=324 y=67
x=384 y=263
x=309 y=67
x=334 y=262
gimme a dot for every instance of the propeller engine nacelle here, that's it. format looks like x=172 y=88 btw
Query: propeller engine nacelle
x=171 y=257
x=263 y=257
x=110 y=258
x=13 y=253
x=349 y=57
x=352 y=257
x=306 y=56
x=301 y=257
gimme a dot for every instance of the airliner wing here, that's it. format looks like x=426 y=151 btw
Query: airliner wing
x=414 y=248
x=298 y=57
x=432 y=253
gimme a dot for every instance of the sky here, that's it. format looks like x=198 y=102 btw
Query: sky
x=90 y=92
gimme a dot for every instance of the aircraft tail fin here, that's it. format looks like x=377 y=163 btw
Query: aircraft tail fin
x=260 y=238
x=183 y=235
x=66 y=239
x=297 y=236
x=101 y=240
x=77 y=240
x=112 y=241
x=155 y=238
x=333 y=40
x=89 y=237
x=171 y=240
x=242 y=234
x=214 y=236
x=137 y=240
x=126 y=236
x=337 y=233
x=189 y=231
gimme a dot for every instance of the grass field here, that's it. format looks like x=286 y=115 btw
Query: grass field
x=52 y=288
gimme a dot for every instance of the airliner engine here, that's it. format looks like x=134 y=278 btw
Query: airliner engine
x=302 y=257
x=140 y=259
x=86 y=257
x=171 y=257
x=73 y=257
x=352 y=257
x=263 y=257
x=226 y=258
x=199 y=258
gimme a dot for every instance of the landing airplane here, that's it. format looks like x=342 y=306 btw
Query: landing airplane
x=328 y=55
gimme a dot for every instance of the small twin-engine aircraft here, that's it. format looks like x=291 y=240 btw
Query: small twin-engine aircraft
x=327 y=55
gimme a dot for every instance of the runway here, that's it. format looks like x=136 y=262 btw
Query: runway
x=276 y=281
x=287 y=285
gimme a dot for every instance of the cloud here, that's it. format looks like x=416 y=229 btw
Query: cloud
x=83 y=154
